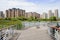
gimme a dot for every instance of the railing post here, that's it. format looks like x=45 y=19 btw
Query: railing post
x=57 y=35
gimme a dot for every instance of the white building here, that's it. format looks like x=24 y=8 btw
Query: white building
x=44 y=16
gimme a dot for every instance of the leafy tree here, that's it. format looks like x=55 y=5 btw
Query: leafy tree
x=22 y=18
x=53 y=18
x=7 y=18
x=31 y=19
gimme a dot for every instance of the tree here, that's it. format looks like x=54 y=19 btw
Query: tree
x=22 y=18
x=53 y=18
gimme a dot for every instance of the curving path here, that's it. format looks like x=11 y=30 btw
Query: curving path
x=35 y=34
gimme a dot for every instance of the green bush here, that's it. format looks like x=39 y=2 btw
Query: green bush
x=8 y=23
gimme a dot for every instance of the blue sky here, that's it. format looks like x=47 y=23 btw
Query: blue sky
x=39 y=6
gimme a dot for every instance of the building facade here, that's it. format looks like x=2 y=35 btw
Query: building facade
x=14 y=13
x=44 y=15
x=50 y=14
x=32 y=14
x=28 y=14
x=1 y=14
x=37 y=15
x=56 y=13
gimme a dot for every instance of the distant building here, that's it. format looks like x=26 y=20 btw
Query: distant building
x=14 y=13
x=28 y=14
x=32 y=14
x=44 y=15
x=1 y=14
x=56 y=13
x=41 y=16
x=37 y=15
x=50 y=14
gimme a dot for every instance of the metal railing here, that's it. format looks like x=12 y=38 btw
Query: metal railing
x=7 y=33
x=57 y=34
x=54 y=33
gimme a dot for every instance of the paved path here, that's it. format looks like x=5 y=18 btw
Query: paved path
x=35 y=34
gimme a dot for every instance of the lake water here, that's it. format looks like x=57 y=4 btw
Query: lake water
x=35 y=24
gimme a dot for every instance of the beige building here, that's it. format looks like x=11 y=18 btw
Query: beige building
x=13 y=13
x=32 y=14
x=56 y=13
x=37 y=15
x=28 y=14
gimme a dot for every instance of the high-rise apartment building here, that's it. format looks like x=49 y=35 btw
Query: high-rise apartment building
x=13 y=13
x=56 y=13
x=28 y=14
x=37 y=15
x=44 y=16
x=50 y=14
x=1 y=14
x=32 y=14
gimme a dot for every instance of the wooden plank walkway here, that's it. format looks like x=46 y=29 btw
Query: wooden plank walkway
x=35 y=34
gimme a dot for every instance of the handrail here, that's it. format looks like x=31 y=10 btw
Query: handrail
x=4 y=32
x=56 y=35
x=6 y=27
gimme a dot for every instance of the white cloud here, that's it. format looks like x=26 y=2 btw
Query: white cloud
x=28 y=6
x=16 y=3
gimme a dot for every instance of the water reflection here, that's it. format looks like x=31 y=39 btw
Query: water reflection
x=34 y=24
x=53 y=23
x=39 y=24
